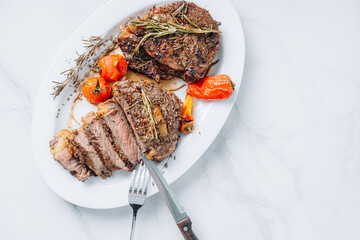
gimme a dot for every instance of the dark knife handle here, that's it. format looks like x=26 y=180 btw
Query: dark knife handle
x=186 y=230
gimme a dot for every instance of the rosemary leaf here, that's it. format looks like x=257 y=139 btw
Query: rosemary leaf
x=189 y=21
x=136 y=50
x=179 y=9
x=147 y=104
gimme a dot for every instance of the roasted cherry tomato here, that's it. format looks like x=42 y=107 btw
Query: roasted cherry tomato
x=96 y=90
x=213 y=87
x=112 y=67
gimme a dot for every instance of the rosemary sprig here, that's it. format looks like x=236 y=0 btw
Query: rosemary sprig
x=92 y=47
x=137 y=102
x=179 y=9
x=136 y=50
x=147 y=104
x=154 y=28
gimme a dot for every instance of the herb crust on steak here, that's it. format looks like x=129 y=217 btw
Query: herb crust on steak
x=179 y=39
x=154 y=115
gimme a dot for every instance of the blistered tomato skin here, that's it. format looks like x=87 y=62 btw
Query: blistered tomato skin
x=113 y=67
x=96 y=90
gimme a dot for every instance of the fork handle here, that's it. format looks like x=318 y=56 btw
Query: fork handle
x=133 y=224
x=186 y=230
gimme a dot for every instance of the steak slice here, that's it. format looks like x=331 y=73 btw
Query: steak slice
x=186 y=55
x=84 y=150
x=100 y=136
x=121 y=132
x=60 y=150
x=156 y=138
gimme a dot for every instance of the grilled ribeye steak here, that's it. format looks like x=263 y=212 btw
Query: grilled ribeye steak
x=60 y=149
x=186 y=55
x=153 y=114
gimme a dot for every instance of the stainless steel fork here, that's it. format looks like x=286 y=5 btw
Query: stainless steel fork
x=137 y=192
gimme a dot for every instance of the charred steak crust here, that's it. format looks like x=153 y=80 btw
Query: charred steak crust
x=129 y=95
x=184 y=55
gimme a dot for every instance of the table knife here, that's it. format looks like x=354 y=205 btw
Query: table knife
x=181 y=218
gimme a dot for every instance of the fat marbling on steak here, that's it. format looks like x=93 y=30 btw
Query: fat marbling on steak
x=185 y=55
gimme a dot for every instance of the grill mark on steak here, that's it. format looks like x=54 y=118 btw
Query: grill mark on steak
x=84 y=150
x=128 y=93
x=185 y=55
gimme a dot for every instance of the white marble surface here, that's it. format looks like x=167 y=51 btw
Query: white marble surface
x=285 y=166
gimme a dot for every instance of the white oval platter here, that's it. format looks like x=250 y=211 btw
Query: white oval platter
x=209 y=116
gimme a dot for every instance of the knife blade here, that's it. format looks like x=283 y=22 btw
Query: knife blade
x=178 y=212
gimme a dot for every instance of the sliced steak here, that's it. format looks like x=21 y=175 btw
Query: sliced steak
x=60 y=149
x=157 y=132
x=186 y=55
x=102 y=140
x=84 y=150
x=141 y=116
x=122 y=134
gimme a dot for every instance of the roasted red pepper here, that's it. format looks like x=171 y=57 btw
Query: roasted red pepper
x=187 y=121
x=213 y=87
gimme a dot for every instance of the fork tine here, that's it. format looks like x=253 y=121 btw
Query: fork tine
x=137 y=178
x=132 y=181
x=141 y=179
x=147 y=179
